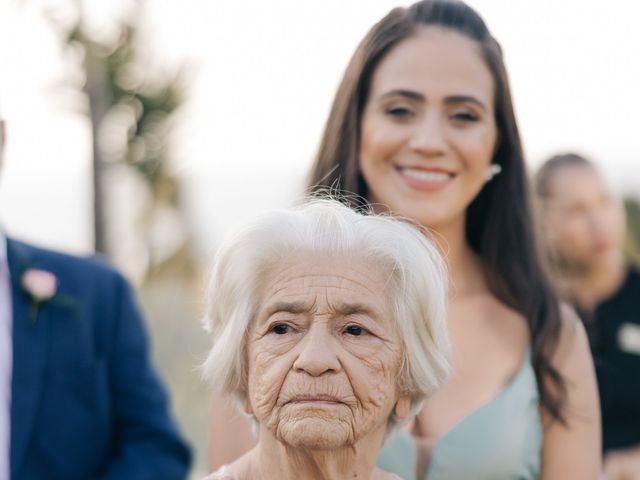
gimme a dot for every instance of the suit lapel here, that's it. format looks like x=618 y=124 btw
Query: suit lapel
x=29 y=357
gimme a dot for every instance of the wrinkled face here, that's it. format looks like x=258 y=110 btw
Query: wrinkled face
x=428 y=131
x=324 y=353
x=584 y=222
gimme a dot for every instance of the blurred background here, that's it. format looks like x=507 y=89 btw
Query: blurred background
x=144 y=130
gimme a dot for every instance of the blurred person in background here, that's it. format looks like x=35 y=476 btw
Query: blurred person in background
x=583 y=223
x=329 y=329
x=422 y=125
x=79 y=398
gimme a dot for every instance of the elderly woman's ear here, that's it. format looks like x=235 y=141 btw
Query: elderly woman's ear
x=403 y=407
x=246 y=407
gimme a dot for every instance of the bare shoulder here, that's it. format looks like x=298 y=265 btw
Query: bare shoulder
x=571 y=448
x=572 y=357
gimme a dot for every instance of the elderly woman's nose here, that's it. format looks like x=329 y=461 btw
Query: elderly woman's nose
x=317 y=352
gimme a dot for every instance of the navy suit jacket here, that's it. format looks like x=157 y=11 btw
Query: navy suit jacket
x=86 y=403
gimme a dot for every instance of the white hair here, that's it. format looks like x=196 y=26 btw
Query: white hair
x=416 y=272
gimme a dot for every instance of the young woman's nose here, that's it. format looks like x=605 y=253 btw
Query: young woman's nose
x=428 y=135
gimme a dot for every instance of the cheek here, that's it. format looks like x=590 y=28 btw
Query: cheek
x=561 y=230
x=564 y=233
x=377 y=141
x=368 y=140
x=476 y=143
x=617 y=224
x=573 y=238
x=267 y=373
x=478 y=149
x=373 y=376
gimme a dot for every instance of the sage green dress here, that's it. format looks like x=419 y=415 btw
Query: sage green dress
x=502 y=440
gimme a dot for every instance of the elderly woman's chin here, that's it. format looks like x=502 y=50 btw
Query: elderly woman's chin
x=324 y=425
x=315 y=431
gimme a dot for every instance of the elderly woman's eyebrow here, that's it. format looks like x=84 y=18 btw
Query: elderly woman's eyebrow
x=288 y=307
x=355 y=308
x=344 y=308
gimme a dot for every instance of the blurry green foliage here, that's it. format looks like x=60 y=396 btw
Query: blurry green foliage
x=151 y=100
x=130 y=109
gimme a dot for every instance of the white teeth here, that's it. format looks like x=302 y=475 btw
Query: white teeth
x=425 y=176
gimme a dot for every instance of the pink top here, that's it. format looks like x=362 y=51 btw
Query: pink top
x=223 y=474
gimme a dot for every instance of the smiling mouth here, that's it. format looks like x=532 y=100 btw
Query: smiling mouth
x=430 y=176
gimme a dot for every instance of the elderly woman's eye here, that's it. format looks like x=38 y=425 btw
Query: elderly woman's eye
x=354 y=330
x=280 y=328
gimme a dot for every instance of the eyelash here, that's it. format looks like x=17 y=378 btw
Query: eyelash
x=399 y=112
x=465 y=117
x=273 y=328
x=362 y=331
x=276 y=329
x=402 y=113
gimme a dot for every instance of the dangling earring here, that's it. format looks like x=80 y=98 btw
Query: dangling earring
x=493 y=170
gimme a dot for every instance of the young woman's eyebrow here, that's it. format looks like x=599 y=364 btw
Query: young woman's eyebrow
x=454 y=99
x=410 y=94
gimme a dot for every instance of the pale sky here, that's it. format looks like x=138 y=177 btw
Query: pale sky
x=263 y=76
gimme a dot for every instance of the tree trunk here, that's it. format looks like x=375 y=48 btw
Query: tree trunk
x=96 y=90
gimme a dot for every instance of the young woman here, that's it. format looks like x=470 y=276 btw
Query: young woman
x=423 y=126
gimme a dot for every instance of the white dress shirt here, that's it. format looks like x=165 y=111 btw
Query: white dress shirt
x=6 y=359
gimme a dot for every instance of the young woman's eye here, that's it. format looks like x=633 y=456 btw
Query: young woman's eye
x=465 y=116
x=280 y=328
x=354 y=330
x=399 y=112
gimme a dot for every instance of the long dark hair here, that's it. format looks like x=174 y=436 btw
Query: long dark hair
x=499 y=223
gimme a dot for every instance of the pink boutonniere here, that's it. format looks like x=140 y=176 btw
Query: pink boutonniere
x=39 y=284
x=41 y=287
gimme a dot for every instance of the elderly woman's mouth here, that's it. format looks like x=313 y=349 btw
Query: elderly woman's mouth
x=315 y=399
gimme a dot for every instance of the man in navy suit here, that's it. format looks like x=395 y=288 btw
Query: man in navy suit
x=79 y=399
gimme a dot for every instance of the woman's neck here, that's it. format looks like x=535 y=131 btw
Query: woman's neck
x=271 y=459
x=466 y=274
x=593 y=285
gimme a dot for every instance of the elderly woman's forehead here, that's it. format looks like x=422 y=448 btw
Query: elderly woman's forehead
x=344 y=278
x=319 y=267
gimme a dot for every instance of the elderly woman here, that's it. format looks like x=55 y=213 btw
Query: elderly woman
x=329 y=329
